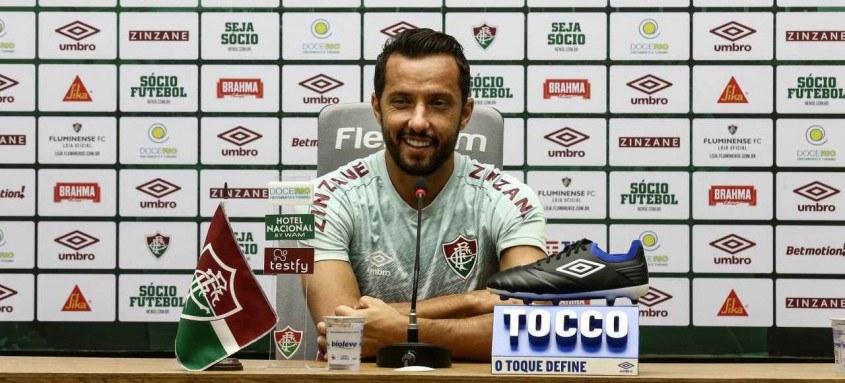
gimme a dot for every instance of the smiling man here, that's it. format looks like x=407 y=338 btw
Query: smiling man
x=477 y=220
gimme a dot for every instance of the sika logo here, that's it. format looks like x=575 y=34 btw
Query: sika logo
x=649 y=142
x=649 y=84
x=732 y=195
x=566 y=88
x=566 y=137
x=321 y=84
x=159 y=36
x=77 y=92
x=158 y=189
x=815 y=36
x=76 y=192
x=6 y=83
x=732 y=32
x=816 y=191
x=732 y=94
x=77 y=31
x=653 y=298
x=240 y=88
x=732 y=307
x=76 y=240
x=398 y=28
x=76 y=301
x=484 y=35
x=239 y=136
x=732 y=244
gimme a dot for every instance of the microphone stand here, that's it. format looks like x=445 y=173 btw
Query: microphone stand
x=412 y=352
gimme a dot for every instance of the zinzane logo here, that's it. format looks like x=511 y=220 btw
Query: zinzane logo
x=461 y=254
x=816 y=191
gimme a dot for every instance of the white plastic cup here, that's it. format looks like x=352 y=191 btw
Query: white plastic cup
x=344 y=335
x=839 y=343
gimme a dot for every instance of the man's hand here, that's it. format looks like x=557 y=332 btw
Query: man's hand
x=383 y=325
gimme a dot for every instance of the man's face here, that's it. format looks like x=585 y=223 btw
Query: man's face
x=420 y=111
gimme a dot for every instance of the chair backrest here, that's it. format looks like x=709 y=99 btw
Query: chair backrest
x=349 y=131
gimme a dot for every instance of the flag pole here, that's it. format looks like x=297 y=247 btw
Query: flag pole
x=227 y=364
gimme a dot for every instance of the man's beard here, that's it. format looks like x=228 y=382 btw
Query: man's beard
x=426 y=166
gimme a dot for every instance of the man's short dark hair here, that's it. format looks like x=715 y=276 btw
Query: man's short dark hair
x=423 y=42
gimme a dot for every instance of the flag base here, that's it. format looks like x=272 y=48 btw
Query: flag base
x=228 y=364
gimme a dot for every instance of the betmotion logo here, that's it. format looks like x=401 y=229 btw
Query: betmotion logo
x=653 y=298
x=321 y=84
x=158 y=189
x=566 y=88
x=732 y=94
x=159 y=36
x=566 y=36
x=733 y=31
x=6 y=83
x=733 y=245
x=566 y=137
x=76 y=240
x=13 y=194
x=158 y=89
x=240 y=88
x=816 y=91
x=395 y=29
x=816 y=191
x=6 y=292
x=77 y=31
x=239 y=136
x=484 y=35
x=649 y=84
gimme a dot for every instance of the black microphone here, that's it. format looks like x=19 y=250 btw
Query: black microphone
x=414 y=353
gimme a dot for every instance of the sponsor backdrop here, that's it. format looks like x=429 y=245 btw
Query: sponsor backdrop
x=709 y=129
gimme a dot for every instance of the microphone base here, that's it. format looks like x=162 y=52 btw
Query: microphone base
x=413 y=354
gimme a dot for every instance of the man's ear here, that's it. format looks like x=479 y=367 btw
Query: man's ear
x=466 y=112
x=376 y=107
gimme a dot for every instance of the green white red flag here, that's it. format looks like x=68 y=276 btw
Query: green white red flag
x=226 y=310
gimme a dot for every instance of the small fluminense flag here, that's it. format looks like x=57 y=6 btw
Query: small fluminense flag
x=226 y=310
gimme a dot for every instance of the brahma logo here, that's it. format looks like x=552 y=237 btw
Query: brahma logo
x=77 y=31
x=398 y=28
x=566 y=88
x=158 y=189
x=159 y=36
x=157 y=244
x=732 y=244
x=77 y=92
x=566 y=137
x=461 y=254
x=239 y=136
x=76 y=301
x=653 y=298
x=6 y=83
x=732 y=32
x=816 y=191
x=321 y=84
x=76 y=192
x=649 y=142
x=649 y=84
x=733 y=94
x=732 y=195
x=484 y=35
x=240 y=88
x=287 y=341
x=76 y=240
x=815 y=36
x=732 y=307
x=213 y=290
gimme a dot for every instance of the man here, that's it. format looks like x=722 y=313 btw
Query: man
x=477 y=220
